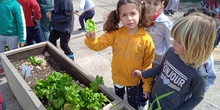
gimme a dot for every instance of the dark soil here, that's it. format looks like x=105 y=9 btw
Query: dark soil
x=40 y=72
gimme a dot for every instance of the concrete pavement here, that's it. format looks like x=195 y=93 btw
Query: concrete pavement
x=99 y=63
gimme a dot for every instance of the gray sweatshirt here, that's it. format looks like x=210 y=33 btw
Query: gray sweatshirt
x=175 y=75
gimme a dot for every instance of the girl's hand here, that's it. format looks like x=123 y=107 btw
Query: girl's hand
x=135 y=73
x=90 y=34
x=146 y=94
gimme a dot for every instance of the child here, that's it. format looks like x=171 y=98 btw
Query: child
x=45 y=6
x=2 y=103
x=12 y=26
x=171 y=7
x=214 y=5
x=209 y=66
x=32 y=16
x=62 y=19
x=159 y=29
x=132 y=48
x=89 y=12
x=182 y=69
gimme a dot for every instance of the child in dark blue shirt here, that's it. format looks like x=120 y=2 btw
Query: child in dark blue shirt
x=181 y=69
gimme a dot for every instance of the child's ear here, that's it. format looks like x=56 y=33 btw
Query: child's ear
x=162 y=5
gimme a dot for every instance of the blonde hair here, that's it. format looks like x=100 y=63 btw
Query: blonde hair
x=197 y=33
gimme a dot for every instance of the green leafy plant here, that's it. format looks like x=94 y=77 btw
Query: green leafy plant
x=34 y=61
x=90 y=26
x=158 y=102
x=61 y=93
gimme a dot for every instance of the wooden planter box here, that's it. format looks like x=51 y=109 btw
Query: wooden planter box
x=25 y=96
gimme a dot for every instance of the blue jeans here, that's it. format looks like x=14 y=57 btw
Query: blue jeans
x=34 y=34
x=85 y=16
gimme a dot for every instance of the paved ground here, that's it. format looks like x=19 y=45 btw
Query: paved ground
x=98 y=63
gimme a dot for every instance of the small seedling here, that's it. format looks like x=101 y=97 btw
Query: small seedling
x=34 y=61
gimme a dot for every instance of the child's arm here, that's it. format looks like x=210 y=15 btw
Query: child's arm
x=20 y=22
x=99 y=43
x=147 y=73
x=209 y=66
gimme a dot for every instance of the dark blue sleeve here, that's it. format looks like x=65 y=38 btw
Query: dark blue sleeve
x=152 y=72
x=66 y=10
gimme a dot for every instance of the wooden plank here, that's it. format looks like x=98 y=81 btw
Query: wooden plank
x=23 y=93
x=26 y=97
x=123 y=106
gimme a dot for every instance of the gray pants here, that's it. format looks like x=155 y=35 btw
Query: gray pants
x=11 y=41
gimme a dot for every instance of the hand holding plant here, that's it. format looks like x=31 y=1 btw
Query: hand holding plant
x=90 y=28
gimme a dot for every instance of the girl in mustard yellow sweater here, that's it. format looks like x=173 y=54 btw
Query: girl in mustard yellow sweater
x=132 y=48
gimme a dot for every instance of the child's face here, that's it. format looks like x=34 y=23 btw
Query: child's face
x=178 y=48
x=129 y=16
x=152 y=8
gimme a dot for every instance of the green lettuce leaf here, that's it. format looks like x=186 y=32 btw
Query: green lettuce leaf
x=90 y=26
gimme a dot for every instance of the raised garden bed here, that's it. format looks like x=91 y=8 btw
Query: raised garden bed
x=22 y=90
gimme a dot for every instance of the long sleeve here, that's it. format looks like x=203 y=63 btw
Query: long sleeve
x=20 y=22
x=101 y=42
x=209 y=66
x=36 y=9
x=152 y=72
x=81 y=5
x=147 y=64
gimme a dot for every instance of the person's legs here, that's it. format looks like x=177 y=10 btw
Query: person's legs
x=29 y=39
x=120 y=92
x=12 y=42
x=2 y=43
x=54 y=36
x=90 y=15
x=141 y=100
x=46 y=35
x=81 y=21
x=84 y=16
x=64 y=44
x=37 y=35
x=2 y=49
x=132 y=95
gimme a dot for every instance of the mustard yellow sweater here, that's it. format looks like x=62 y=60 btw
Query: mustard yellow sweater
x=129 y=52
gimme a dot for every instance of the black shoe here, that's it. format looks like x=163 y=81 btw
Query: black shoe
x=81 y=29
x=171 y=12
x=166 y=12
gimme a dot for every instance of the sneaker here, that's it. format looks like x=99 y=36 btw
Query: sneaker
x=81 y=29
x=166 y=12
x=216 y=10
x=1 y=72
x=171 y=12
x=71 y=56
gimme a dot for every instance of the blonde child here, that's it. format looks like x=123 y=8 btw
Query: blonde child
x=132 y=48
x=158 y=27
x=181 y=69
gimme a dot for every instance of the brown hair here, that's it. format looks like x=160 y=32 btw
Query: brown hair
x=113 y=19
x=146 y=22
